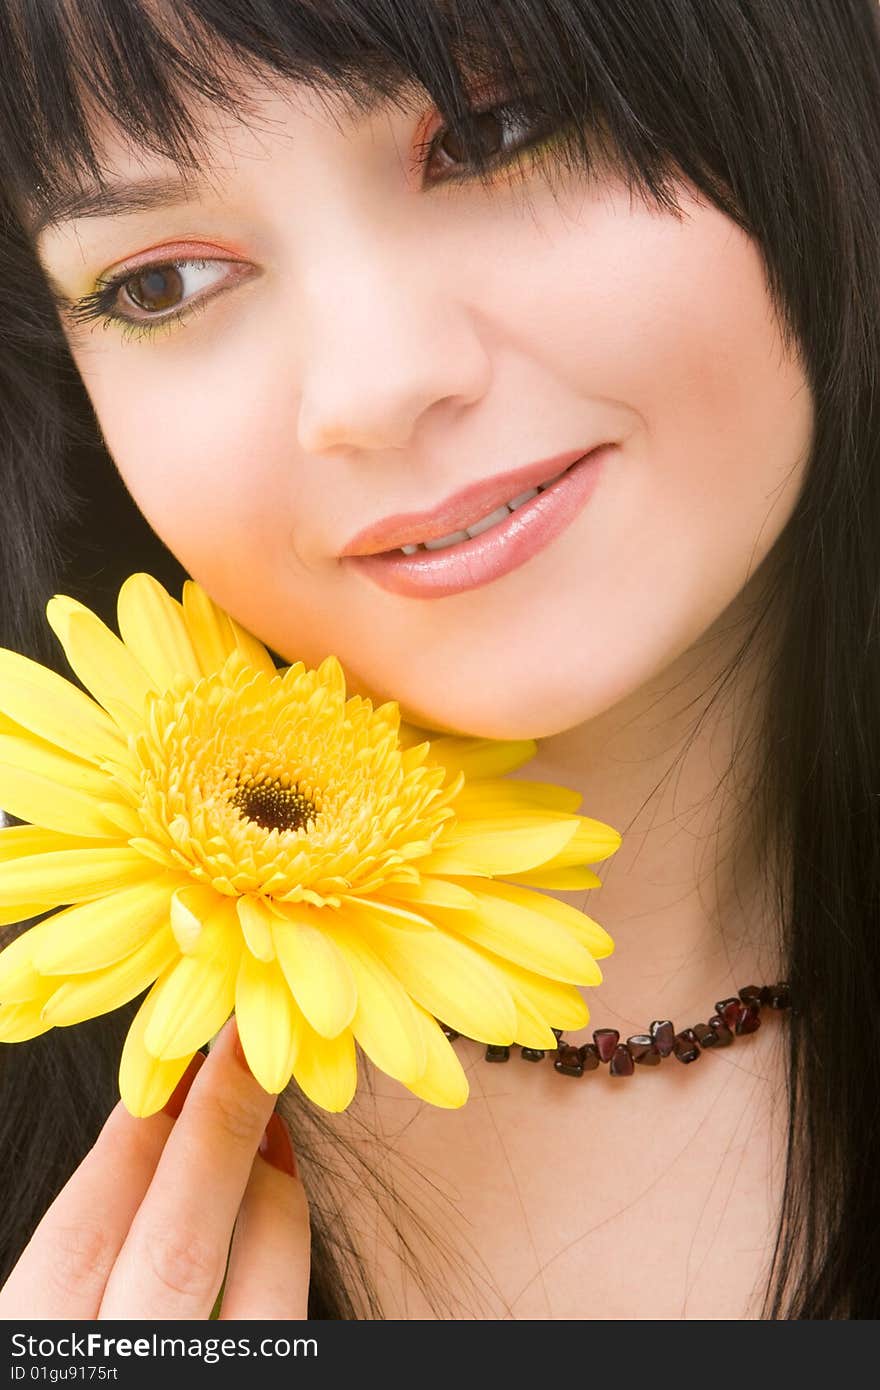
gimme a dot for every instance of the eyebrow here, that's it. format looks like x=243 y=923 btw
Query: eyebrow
x=136 y=196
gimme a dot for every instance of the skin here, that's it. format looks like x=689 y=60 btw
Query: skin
x=143 y=1226
x=383 y=344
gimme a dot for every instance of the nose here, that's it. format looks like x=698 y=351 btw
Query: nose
x=384 y=342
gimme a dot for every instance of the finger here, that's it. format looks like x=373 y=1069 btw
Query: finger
x=172 y=1262
x=268 y=1275
x=63 y=1270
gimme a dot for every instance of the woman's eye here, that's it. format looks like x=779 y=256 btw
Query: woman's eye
x=152 y=295
x=159 y=288
x=500 y=132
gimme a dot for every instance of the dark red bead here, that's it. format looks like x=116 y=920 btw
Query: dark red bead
x=621 y=1063
x=606 y=1039
x=685 y=1048
x=723 y=1035
x=642 y=1049
x=663 y=1033
x=705 y=1035
x=750 y=994
x=780 y=997
x=531 y=1054
x=589 y=1056
x=450 y=1032
x=568 y=1061
x=766 y=994
x=749 y=1020
x=729 y=1009
x=497 y=1053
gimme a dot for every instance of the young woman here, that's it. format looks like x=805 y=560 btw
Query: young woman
x=295 y=270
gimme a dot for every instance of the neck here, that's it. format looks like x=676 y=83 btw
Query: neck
x=683 y=895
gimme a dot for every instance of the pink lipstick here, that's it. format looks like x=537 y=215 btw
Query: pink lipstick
x=481 y=532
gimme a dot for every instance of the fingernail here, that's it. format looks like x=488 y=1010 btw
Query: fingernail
x=276 y=1148
x=237 y=1047
x=174 y=1103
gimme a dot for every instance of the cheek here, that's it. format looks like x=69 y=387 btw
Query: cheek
x=681 y=331
x=213 y=481
x=221 y=489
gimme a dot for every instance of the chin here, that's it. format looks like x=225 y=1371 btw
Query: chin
x=531 y=720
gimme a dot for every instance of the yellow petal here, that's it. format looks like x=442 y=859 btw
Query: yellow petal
x=255 y=921
x=517 y=924
x=209 y=628
x=94 y=935
x=410 y=735
x=191 y=906
x=331 y=676
x=494 y=796
x=11 y=916
x=559 y=1003
x=23 y=984
x=481 y=757
x=394 y=914
x=46 y=800
x=9 y=726
x=430 y=892
x=532 y=1028
x=145 y=1082
x=87 y=996
x=19 y=981
x=35 y=755
x=103 y=663
x=252 y=650
x=47 y=705
x=325 y=1069
x=444 y=975
x=21 y=1022
x=586 y=930
x=198 y=995
x=443 y=1082
x=267 y=1023
x=498 y=846
x=129 y=721
x=570 y=879
x=592 y=842
x=317 y=973
x=384 y=1021
x=156 y=853
x=19 y=840
x=53 y=708
x=413 y=757
x=152 y=626
x=72 y=875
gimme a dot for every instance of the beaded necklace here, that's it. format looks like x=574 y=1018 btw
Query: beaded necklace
x=741 y=1013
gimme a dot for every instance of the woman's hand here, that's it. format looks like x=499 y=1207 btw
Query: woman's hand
x=142 y=1228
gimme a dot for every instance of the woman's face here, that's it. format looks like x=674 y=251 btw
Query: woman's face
x=366 y=340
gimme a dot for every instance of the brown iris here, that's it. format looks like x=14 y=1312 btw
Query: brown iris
x=160 y=286
x=273 y=806
x=487 y=131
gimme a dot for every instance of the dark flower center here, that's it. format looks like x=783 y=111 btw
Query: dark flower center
x=273 y=806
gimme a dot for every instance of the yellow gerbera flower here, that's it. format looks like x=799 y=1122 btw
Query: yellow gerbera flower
x=237 y=837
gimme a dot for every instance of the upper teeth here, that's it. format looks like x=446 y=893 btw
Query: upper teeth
x=500 y=514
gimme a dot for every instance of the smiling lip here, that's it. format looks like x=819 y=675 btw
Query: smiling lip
x=460 y=510
x=497 y=550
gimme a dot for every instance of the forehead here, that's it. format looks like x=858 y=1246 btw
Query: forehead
x=134 y=176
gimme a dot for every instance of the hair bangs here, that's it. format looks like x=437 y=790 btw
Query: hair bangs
x=611 y=81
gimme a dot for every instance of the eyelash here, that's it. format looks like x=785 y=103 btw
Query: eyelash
x=99 y=304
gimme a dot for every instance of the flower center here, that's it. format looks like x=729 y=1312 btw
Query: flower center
x=273 y=806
